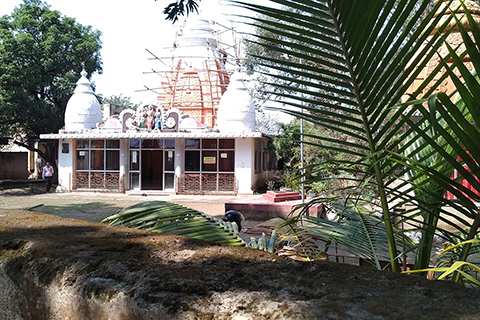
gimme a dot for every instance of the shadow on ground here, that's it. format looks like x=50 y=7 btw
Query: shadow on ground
x=62 y=265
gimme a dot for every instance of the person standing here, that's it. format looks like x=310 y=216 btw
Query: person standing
x=47 y=175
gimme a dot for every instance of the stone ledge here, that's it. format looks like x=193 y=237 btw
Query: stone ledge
x=56 y=268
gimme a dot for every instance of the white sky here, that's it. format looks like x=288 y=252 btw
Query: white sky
x=128 y=28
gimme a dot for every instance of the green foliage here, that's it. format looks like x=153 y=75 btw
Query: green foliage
x=360 y=231
x=453 y=249
x=287 y=151
x=171 y=218
x=346 y=72
x=291 y=179
x=41 y=56
x=121 y=101
x=180 y=8
x=447 y=266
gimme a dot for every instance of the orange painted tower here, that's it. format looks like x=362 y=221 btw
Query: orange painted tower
x=454 y=39
x=196 y=75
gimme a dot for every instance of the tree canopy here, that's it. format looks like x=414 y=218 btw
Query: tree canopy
x=180 y=8
x=41 y=55
x=121 y=101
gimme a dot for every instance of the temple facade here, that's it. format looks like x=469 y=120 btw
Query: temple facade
x=199 y=138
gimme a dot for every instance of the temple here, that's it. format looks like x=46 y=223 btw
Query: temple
x=198 y=138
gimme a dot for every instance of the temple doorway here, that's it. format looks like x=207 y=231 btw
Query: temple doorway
x=152 y=170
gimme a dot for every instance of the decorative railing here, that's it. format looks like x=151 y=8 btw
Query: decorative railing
x=99 y=181
x=206 y=183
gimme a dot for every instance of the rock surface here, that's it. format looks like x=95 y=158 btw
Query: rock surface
x=57 y=268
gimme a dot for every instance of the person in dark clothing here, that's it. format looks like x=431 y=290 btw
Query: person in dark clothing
x=234 y=216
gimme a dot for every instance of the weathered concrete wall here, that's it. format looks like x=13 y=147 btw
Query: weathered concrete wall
x=55 y=268
x=13 y=165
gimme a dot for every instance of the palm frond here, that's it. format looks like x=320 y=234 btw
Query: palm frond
x=360 y=66
x=362 y=233
x=350 y=63
x=171 y=218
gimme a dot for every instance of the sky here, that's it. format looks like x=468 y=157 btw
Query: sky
x=129 y=27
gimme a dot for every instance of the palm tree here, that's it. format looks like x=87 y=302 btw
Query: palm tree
x=356 y=59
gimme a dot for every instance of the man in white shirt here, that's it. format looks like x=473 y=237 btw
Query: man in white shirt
x=47 y=175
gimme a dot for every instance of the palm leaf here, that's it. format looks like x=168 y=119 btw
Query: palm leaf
x=362 y=233
x=358 y=65
x=171 y=218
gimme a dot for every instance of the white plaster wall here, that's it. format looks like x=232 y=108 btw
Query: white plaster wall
x=244 y=164
x=124 y=158
x=65 y=166
x=179 y=157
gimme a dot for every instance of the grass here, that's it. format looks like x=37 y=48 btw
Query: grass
x=83 y=209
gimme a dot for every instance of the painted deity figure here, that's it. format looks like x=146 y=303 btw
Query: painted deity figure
x=158 y=120
x=143 y=123
x=150 y=120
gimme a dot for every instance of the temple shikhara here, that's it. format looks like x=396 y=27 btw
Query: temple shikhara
x=199 y=137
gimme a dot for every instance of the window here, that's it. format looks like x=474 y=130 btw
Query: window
x=97 y=144
x=192 y=160
x=209 y=160
x=112 y=160
x=82 y=159
x=134 y=143
x=227 y=144
x=258 y=156
x=113 y=144
x=97 y=163
x=226 y=161
x=209 y=144
x=211 y=163
x=192 y=143
x=169 y=143
x=82 y=144
x=152 y=143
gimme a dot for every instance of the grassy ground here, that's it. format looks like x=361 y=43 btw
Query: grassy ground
x=92 y=207
x=82 y=209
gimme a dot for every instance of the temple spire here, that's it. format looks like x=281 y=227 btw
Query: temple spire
x=83 y=109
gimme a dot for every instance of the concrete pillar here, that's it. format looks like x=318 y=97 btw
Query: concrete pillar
x=124 y=144
x=65 y=165
x=244 y=158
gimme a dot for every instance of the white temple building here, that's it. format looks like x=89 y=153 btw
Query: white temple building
x=200 y=138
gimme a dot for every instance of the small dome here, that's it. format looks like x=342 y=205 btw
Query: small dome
x=83 y=109
x=236 y=112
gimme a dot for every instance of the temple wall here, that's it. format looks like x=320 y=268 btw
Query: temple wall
x=244 y=157
x=65 y=165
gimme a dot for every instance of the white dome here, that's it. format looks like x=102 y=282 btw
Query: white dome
x=199 y=32
x=83 y=109
x=236 y=112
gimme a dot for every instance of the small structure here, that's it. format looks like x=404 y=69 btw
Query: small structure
x=13 y=162
x=180 y=143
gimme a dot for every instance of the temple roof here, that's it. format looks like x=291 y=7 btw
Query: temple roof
x=97 y=134
x=83 y=109
x=236 y=112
